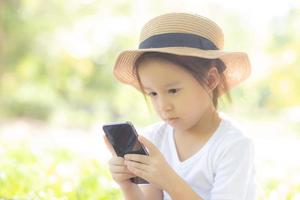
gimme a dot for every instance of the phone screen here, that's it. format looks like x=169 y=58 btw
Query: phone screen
x=124 y=139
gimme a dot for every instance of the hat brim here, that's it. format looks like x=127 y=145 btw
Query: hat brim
x=238 y=66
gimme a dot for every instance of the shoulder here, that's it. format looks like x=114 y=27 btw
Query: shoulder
x=233 y=143
x=232 y=132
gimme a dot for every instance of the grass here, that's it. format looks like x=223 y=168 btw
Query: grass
x=53 y=174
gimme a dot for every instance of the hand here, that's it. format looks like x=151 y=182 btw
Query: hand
x=153 y=168
x=118 y=169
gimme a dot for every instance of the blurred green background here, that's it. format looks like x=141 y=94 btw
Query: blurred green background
x=57 y=88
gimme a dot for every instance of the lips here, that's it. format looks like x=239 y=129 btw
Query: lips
x=172 y=120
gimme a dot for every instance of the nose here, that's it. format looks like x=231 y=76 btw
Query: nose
x=164 y=104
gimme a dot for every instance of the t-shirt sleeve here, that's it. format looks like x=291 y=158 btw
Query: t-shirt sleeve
x=147 y=132
x=150 y=131
x=234 y=175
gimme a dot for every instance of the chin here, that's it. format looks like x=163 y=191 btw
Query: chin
x=178 y=126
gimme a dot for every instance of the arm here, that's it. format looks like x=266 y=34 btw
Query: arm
x=141 y=192
x=131 y=192
x=185 y=191
x=151 y=192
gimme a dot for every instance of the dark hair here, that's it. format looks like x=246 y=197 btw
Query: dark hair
x=197 y=67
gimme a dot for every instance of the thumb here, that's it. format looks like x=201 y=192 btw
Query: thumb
x=150 y=146
x=109 y=146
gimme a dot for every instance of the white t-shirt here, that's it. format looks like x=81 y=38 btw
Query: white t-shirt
x=223 y=169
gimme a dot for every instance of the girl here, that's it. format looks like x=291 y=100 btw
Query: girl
x=194 y=153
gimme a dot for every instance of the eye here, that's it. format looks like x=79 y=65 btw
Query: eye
x=152 y=93
x=174 y=90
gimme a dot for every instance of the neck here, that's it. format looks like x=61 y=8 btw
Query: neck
x=206 y=125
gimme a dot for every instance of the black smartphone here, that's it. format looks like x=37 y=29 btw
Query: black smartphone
x=124 y=139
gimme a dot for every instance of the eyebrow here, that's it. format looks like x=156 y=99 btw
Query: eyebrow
x=167 y=85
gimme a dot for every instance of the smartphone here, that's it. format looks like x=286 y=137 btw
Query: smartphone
x=124 y=139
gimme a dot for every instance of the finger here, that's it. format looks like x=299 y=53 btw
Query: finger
x=124 y=176
x=150 y=146
x=109 y=146
x=137 y=158
x=138 y=172
x=117 y=160
x=120 y=169
x=137 y=165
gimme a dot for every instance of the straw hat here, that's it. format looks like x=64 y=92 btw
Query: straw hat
x=183 y=34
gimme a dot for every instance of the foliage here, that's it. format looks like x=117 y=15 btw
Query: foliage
x=53 y=174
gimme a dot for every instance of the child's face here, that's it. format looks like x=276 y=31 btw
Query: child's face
x=174 y=92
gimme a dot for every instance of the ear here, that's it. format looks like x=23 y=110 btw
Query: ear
x=213 y=78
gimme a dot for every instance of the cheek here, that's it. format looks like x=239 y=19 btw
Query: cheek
x=196 y=104
x=155 y=107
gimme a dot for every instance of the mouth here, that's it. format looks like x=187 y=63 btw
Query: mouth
x=172 y=120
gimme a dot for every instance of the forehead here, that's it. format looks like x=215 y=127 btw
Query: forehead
x=162 y=73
